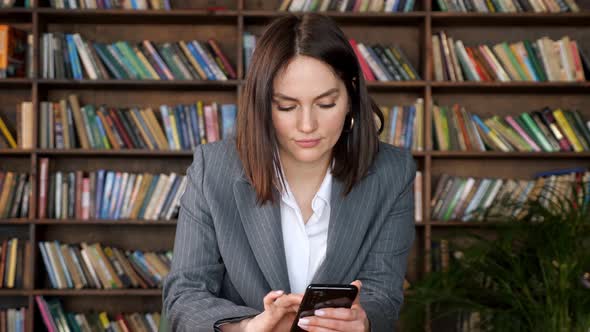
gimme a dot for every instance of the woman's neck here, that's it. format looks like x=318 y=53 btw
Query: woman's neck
x=304 y=174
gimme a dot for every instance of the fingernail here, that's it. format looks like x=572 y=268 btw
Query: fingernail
x=303 y=321
x=319 y=313
x=279 y=292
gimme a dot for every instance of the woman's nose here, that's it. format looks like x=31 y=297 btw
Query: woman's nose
x=307 y=122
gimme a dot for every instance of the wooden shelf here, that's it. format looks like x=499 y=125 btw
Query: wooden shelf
x=81 y=292
x=133 y=222
x=499 y=154
x=16 y=15
x=97 y=292
x=4 y=292
x=535 y=87
x=125 y=153
x=94 y=222
x=137 y=84
x=135 y=153
x=15 y=152
x=263 y=16
x=419 y=154
x=17 y=221
x=15 y=83
x=121 y=16
x=375 y=86
x=24 y=83
x=465 y=224
x=509 y=19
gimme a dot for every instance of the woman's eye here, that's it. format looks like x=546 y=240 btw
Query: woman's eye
x=287 y=108
x=327 y=105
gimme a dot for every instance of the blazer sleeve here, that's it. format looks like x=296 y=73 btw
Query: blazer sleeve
x=383 y=272
x=191 y=290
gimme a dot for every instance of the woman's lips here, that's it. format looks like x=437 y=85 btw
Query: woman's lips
x=308 y=143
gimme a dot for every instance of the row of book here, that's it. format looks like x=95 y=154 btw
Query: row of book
x=403 y=125
x=13 y=267
x=16 y=52
x=355 y=6
x=541 y=60
x=13 y=319
x=66 y=125
x=384 y=63
x=378 y=62
x=110 y=195
x=509 y=6
x=77 y=266
x=117 y=195
x=544 y=130
x=15 y=192
x=69 y=56
x=56 y=319
x=111 y=4
x=471 y=199
x=23 y=138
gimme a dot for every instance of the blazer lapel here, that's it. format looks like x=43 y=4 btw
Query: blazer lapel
x=346 y=231
x=262 y=225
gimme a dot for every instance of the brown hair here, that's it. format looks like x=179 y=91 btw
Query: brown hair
x=316 y=36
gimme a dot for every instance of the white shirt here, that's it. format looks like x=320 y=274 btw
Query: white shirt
x=305 y=243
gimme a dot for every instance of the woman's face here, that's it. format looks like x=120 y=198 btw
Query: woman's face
x=309 y=104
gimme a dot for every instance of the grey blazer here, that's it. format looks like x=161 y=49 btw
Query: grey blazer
x=228 y=252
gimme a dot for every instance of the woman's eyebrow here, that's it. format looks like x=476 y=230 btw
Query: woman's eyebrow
x=327 y=93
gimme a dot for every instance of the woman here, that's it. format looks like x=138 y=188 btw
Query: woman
x=305 y=193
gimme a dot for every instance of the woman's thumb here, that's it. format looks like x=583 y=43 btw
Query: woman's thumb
x=358 y=285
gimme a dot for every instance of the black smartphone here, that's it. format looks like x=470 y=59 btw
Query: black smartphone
x=318 y=296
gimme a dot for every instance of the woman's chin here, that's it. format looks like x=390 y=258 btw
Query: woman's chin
x=308 y=156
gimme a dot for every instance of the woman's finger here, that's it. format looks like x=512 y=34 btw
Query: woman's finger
x=287 y=301
x=270 y=298
x=317 y=329
x=313 y=323
x=337 y=313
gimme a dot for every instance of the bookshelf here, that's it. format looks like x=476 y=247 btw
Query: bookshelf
x=412 y=31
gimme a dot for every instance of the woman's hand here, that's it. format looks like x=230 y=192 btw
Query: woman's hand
x=338 y=319
x=279 y=313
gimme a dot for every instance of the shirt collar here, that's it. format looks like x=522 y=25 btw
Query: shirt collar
x=323 y=193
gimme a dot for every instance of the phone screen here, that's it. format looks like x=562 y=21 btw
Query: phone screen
x=318 y=296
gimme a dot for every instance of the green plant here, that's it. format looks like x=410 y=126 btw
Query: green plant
x=531 y=276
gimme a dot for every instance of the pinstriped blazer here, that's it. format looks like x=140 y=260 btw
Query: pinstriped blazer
x=228 y=251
